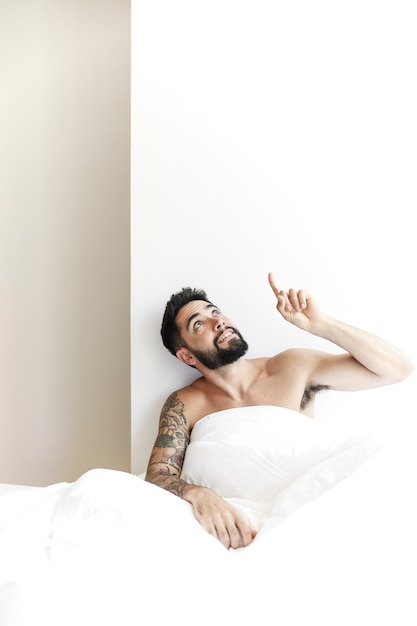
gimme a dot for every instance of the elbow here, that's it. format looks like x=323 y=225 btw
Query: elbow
x=151 y=477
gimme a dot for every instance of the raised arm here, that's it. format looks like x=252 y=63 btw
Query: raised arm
x=216 y=515
x=368 y=362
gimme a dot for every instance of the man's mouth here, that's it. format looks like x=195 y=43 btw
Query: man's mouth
x=227 y=333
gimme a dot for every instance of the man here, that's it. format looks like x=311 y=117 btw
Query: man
x=198 y=334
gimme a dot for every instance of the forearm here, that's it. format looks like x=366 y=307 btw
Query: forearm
x=170 y=482
x=194 y=494
x=218 y=517
x=377 y=355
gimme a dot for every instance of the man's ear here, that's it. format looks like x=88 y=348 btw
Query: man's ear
x=185 y=356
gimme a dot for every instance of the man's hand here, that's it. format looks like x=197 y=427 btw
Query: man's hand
x=219 y=518
x=297 y=307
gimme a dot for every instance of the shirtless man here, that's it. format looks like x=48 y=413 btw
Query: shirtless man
x=200 y=335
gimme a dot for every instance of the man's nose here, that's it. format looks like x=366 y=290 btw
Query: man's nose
x=219 y=323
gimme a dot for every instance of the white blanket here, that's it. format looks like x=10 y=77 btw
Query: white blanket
x=110 y=548
x=269 y=461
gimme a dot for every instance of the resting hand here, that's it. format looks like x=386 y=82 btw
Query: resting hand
x=297 y=307
x=219 y=518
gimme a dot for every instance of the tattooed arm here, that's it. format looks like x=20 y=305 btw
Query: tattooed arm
x=216 y=515
x=167 y=457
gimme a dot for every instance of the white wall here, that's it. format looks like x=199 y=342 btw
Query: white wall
x=64 y=238
x=273 y=136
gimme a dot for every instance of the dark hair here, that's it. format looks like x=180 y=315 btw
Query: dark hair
x=170 y=333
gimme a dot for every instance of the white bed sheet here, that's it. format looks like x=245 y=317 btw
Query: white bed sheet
x=7 y=489
x=113 y=549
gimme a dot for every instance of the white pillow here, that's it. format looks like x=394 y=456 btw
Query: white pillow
x=269 y=461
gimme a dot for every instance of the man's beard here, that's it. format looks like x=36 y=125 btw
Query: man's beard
x=219 y=357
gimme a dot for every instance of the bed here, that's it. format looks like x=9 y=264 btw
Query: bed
x=335 y=545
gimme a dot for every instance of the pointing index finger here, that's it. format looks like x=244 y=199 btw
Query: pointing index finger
x=273 y=284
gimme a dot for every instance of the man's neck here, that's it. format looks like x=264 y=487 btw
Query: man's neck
x=234 y=379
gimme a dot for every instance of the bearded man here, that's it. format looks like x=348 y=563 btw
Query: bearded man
x=201 y=336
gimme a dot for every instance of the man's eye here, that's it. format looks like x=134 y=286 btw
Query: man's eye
x=197 y=324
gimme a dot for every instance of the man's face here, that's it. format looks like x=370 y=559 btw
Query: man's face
x=209 y=335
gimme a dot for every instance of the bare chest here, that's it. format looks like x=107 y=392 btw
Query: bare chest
x=272 y=390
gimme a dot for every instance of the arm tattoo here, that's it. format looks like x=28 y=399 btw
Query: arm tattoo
x=170 y=446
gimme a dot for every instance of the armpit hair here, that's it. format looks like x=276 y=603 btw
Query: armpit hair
x=309 y=394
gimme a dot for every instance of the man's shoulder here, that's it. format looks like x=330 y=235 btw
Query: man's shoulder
x=183 y=395
x=191 y=398
x=287 y=354
x=192 y=390
x=293 y=357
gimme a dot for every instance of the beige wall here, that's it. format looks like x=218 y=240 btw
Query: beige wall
x=64 y=238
